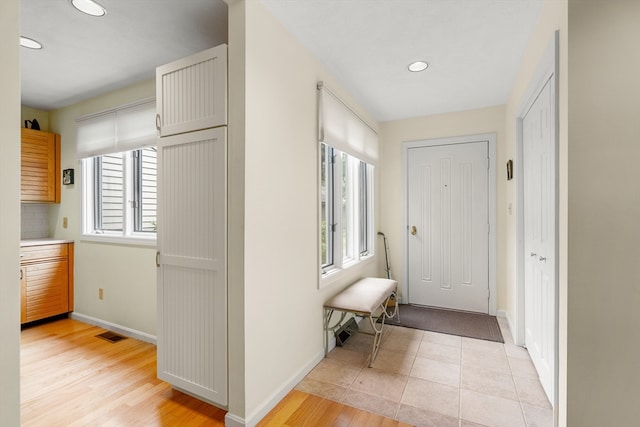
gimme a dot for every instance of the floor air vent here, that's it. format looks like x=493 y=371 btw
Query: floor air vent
x=112 y=337
x=345 y=332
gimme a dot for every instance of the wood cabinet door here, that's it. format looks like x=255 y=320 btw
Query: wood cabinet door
x=46 y=281
x=40 y=166
x=46 y=289
x=191 y=93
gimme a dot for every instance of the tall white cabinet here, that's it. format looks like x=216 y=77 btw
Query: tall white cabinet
x=192 y=243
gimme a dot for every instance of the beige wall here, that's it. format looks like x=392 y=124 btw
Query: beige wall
x=282 y=303
x=9 y=214
x=29 y=113
x=553 y=16
x=603 y=377
x=126 y=273
x=393 y=134
x=235 y=208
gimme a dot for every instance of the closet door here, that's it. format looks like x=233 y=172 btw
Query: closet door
x=192 y=282
x=191 y=93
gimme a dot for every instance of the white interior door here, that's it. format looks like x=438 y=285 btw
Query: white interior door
x=448 y=226
x=192 y=280
x=539 y=234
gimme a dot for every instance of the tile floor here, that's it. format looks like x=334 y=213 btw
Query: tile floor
x=431 y=379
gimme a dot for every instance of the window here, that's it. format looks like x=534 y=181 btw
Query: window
x=348 y=152
x=119 y=170
x=121 y=194
x=346 y=220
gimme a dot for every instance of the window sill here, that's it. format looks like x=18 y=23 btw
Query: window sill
x=120 y=240
x=336 y=274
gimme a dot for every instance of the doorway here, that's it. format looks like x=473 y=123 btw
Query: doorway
x=537 y=224
x=449 y=200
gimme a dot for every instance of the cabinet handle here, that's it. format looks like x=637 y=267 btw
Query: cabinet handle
x=21 y=274
x=158 y=121
x=158 y=259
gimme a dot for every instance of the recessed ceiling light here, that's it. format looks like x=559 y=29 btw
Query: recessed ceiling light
x=89 y=7
x=30 y=43
x=417 y=66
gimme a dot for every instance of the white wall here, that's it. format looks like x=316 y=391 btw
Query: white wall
x=235 y=209
x=553 y=16
x=9 y=214
x=603 y=351
x=126 y=273
x=282 y=303
x=394 y=133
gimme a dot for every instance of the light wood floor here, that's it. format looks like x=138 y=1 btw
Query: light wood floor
x=302 y=409
x=71 y=378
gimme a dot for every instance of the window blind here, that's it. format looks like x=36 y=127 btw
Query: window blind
x=340 y=127
x=116 y=130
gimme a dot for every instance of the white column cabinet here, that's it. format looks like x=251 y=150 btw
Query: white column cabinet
x=192 y=241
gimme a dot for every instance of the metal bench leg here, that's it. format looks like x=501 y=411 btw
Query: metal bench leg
x=377 y=337
x=327 y=318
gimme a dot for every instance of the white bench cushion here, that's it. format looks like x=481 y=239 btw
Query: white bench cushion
x=363 y=296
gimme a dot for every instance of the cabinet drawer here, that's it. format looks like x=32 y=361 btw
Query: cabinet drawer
x=33 y=253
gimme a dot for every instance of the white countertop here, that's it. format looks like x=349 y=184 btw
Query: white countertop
x=44 y=241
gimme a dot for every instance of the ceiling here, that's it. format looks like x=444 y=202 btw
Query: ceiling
x=84 y=56
x=474 y=47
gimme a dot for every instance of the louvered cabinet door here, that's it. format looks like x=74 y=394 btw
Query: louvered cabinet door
x=40 y=167
x=46 y=281
x=191 y=93
x=46 y=289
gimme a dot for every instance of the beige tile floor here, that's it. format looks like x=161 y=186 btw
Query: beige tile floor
x=431 y=379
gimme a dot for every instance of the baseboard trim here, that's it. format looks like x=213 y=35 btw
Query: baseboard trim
x=231 y=420
x=278 y=395
x=505 y=314
x=122 y=330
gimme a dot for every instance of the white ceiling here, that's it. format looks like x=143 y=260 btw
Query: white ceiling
x=84 y=56
x=474 y=47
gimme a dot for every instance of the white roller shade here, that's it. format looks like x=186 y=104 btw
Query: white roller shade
x=120 y=129
x=136 y=127
x=343 y=129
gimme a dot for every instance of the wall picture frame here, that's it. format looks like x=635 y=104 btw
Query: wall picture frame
x=67 y=177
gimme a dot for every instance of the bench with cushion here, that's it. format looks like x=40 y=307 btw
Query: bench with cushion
x=368 y=297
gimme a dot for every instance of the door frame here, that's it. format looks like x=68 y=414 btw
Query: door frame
x=547 y=69
x=490 y=138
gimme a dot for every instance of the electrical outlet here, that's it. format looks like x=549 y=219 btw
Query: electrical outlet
x=65 y=222
x=100 y=293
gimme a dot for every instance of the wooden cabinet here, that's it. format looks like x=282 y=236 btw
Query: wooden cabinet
x=191 y=93
x=40 y=167
x=46 y=281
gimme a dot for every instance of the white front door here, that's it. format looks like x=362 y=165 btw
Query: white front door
x=538 y=131
x=448 y=226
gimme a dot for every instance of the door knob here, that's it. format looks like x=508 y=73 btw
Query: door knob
x=414 y=230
